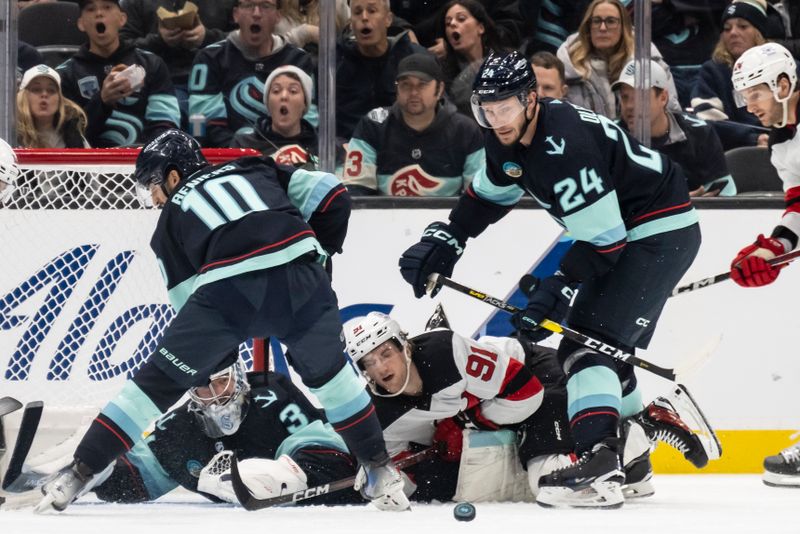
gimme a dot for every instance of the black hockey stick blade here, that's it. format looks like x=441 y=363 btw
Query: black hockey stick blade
x=27 y=431
x=783 y=259
x=438 y=319
x=251 y=503
x=9 y=405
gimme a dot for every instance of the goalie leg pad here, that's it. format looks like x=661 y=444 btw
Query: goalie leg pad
x=265 y=478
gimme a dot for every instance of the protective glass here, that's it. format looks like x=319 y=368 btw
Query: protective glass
x=500 y=113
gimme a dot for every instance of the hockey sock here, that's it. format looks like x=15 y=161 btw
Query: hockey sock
x=593 y=399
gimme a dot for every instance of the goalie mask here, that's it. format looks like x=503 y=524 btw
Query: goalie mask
x=367 y=334
x=8 y=171
x=221 y=405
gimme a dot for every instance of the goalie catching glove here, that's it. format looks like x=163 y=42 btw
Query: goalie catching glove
x=548 y=298
x=750 y=267
x=440 y=247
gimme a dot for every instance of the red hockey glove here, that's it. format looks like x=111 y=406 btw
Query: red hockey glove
x=750 y=267
x=448 y=440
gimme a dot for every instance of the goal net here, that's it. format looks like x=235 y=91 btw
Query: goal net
x=82 y=302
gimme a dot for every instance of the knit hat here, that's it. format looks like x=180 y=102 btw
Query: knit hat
x=753 y=11
x=305 y=82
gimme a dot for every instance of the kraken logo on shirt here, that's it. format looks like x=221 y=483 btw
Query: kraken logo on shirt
x=246 y=99
x=413 y=181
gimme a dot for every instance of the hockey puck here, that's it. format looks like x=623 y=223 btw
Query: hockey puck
x=464 y=511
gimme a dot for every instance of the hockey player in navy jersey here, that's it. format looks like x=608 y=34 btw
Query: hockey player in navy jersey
x=241 y=247
x=766 y=78
x=635 y=231
x=126 y=92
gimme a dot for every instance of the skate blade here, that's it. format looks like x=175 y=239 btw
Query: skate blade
x=45 y=506
x=606 y=495
x=638 y=490
x=776 y=480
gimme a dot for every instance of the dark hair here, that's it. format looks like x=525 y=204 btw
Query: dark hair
x=490 y=37
x=546 y=60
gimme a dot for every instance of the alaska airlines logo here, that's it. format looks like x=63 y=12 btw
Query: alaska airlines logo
x=291 y=155
x=412 y=181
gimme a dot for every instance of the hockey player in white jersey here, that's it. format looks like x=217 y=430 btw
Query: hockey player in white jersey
x=766 y=77
x=441 y=388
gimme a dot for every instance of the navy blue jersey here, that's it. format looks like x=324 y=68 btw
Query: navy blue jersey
x=279 y=420
x=246 y=215
x=136 y=119
x=387 y=157
x=593 y=178
x=228 y=88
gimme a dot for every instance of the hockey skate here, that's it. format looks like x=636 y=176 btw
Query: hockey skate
x=383 y=486
x=66 y=486
x=636 y=461
x=783 y=469
x=661 y=422
x=594 y=481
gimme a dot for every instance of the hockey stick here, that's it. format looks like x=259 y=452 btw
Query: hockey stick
x=783 y=259
x=252 y=503
x=436 y=280
x=14 y=481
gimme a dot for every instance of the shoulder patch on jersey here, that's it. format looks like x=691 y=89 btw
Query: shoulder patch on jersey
x=512 y=169
x=378 y=115
x=88 y=86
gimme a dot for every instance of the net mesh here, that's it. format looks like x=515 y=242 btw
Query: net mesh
x=82 y=303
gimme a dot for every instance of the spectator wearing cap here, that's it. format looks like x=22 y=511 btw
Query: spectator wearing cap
x=284 y=134
x=744 y=24
x=366 y=64
x=549 y=72
x=226 y=87
x=420 y=146
x=685 y=139
x=45 y=118
x=176 y=45
x=126 y=92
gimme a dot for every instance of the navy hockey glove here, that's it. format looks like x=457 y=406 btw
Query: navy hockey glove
x=547 y=299
x=437 y=252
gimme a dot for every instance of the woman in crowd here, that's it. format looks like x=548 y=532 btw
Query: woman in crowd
x=744 y=24
x=594 y=56
x=45 y=118
x=469 y=36
x=299 y=22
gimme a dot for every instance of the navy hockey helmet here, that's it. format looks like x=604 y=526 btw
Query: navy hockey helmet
x=501 y=76
x=172 y=150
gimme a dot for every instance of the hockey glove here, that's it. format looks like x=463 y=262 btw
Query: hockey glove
x=448 y=440
x=438 y=251
x=750 y=267
x=548 y=300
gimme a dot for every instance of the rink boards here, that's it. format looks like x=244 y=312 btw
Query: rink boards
x=747 y=385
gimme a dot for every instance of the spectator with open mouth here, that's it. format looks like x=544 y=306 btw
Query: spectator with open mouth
x=127 y=93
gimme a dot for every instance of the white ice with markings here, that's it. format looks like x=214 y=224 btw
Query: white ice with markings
x=683 y=504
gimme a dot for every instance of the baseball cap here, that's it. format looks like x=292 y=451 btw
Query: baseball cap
x=39 y=70
x=658 y=76
x=420 y=65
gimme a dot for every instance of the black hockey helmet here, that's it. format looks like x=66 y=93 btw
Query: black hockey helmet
x=503 y=75
x=172 y=149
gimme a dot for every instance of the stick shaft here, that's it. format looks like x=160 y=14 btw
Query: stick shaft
x=583 y=339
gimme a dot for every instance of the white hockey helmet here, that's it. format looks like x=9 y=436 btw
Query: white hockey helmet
x=222 y=408
x=766 y=63
x=368 y=333
x=8 y=170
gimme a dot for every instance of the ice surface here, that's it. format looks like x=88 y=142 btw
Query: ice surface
x=683 y=504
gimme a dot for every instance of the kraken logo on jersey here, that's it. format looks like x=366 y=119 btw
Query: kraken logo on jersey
x=291 y=155
x=246 y=99
x=413 y=181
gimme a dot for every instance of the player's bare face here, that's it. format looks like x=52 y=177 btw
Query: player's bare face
x=463 y=31
x=738 y=36
x=507 y=119
x=370 y=21
x=416 y=96
x=256 y=20
x=43 y=99
x=761 y=102
x=386 y=366
x=286 y=102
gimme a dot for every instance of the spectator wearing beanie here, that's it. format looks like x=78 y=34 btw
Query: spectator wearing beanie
x=744 y=24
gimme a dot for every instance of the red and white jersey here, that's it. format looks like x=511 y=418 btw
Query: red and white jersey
x=785 y=144
x=487 y=377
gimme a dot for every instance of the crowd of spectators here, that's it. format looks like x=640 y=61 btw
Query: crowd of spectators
x=242 y=73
